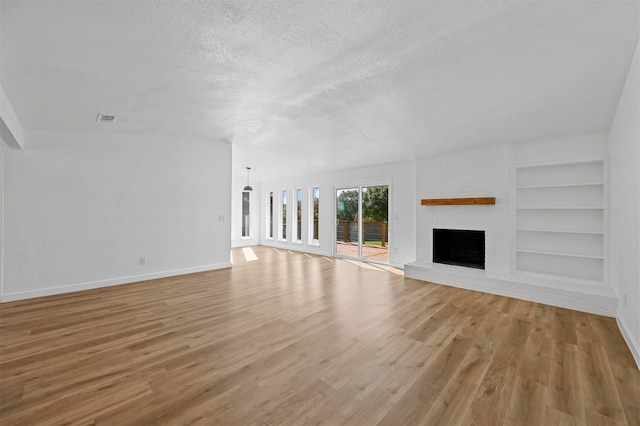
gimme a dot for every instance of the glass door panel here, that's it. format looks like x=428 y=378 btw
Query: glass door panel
x=362 y=223
x=375 y=223
x=347 y=223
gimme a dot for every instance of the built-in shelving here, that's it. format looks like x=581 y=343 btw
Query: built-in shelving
x=560 y=219
x=561 y=232
x=568 y=185
x=557 y=253
x=561 y=208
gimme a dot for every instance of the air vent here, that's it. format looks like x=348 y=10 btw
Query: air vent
x=104 y=118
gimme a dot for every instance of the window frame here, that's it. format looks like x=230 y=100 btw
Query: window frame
x=312 y=213
x=245 y=220
x=282 y=231
x=297 y=237
x=270 y=217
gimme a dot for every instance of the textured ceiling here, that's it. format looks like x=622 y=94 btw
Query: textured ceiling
x=301 y=87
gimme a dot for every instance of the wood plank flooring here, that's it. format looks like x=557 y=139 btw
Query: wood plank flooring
x=296 y=339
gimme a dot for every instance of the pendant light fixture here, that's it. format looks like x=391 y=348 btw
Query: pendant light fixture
x=248 y=188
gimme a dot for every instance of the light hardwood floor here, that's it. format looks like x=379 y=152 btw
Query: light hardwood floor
x=298 y=339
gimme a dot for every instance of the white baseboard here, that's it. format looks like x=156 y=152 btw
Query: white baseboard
x=634 y=347
x=247 y=242
x=311 y=249
x=302 y=248
x=21 y=295
x=599 y=301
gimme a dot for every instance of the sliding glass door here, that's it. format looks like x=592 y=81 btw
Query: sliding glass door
x=347 y=223
x=375 y=223
x=362 y=230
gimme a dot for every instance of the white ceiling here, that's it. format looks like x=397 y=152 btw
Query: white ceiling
x=305 y=86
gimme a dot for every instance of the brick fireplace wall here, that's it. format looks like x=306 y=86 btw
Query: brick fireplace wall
x=475 y=172
x=490 y=171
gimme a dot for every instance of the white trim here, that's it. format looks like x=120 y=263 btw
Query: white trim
x=270 y=197
x=294 y=237
x=634 y=347
x=557 y=163
x=9 y=297
x=601 y=301
x=323 y=253
x=302 y=248
x=246 y=242
x=283 y=208
x=310 y=217
x=250 y=215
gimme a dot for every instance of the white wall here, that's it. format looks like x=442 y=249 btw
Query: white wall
x=81 y=210
x=401 y=178
x=237 y=184
x=624 y=148
x=487 y=172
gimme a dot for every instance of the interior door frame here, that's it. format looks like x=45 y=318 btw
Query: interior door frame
x=360 y=229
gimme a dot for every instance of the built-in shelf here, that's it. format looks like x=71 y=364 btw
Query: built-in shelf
x=563 y=163
x=559 y=232
x=557 y=253
x=458 y=201
x=566 y=185
x=560 y=208
x=559 y=226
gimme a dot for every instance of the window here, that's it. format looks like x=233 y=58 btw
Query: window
x=314 y=210
x=270 y=226
x=284 y=215
x=246 y=216
x=299 y=215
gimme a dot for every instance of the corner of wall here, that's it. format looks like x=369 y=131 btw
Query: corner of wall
x=11 y=132
x=634 y=347
x=624 y=202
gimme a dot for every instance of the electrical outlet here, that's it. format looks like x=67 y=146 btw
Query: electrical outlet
x=220 y=218
x=143 y=261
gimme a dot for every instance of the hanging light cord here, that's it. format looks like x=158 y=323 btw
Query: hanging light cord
x=248 y=187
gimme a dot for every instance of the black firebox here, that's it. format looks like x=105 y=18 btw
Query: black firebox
x=459 y=247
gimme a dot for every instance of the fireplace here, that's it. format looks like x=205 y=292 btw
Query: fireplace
x=459 y=247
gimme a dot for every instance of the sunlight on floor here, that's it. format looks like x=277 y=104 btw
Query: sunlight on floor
x=249 y=255
x=362 y=264
x=391 y=269
x=376 y=267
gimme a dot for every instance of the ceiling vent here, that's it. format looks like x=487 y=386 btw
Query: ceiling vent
x=104 y=118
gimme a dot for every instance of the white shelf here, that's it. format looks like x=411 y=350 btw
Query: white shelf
x=552 y=253
x=558 y=164
x=560 y=219
x=559 y=232
x=565 y=185
x=564 y=266
x=560 y=208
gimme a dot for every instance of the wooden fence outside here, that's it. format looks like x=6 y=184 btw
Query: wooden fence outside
x=372 y=231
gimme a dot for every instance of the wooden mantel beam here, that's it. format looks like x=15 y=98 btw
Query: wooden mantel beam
x=457 y=201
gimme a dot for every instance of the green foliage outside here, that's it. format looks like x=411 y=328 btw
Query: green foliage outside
x=375 y=204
